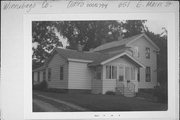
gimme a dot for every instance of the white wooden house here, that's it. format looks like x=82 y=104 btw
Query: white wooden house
x=122 y=66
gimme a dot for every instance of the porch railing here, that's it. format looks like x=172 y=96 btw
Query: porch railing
x=129 y=89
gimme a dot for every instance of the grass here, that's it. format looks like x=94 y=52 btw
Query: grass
x=107 y=102
x=37 y=109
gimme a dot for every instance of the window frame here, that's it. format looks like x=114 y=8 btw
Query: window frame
x=61 y=77
x=148 y=74
x=49 y=74
x=38 y=76
x=44 y=74
x=136 y=51
x=147 y=52
x=111 y=75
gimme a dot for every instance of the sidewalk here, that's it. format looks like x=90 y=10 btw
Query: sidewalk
x=61 y=105
x=46 y=107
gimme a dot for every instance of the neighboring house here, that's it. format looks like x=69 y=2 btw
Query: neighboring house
x=123 y=66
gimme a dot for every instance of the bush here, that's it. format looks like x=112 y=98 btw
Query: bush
x=161 y=94
x=41 y=86
x=110 y=93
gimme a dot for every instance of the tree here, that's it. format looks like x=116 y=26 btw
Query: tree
x=44 y=39
x=133 y=27
x=90 y=34
x=161 y=41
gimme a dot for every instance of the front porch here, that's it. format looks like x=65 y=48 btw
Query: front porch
x=119 y=76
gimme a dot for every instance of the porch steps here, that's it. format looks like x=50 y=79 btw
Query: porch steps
x=125 y=91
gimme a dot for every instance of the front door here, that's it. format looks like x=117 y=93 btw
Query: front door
x=124 y=75
x=121 y=77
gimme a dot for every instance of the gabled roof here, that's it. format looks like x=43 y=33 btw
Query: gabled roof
x=98 y=58
x=92 y=58
x=125 y=41
x=110 y=57
x=74 y=54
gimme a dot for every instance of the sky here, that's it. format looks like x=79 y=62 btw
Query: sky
x=156 y=26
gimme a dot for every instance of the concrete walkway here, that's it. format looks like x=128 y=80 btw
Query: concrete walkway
x=62 y=102
x=45 y=106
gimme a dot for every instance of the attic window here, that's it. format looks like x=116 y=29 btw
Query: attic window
x=147 y=53
x=136 y=51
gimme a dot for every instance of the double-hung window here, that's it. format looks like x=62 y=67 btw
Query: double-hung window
x=148 y=74
x=49 y=74
x=61 y=72
x=147 y=53
x=111 y=72
x=38 y=76
x=44 y=74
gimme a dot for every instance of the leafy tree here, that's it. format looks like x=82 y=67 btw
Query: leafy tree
x=133 y=27
x=162 y=65
x=44 y=39
x=89 y=33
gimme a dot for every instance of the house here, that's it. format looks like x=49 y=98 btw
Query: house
x=122 y=66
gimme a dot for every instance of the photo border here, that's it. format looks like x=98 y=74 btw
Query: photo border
x=172 y=63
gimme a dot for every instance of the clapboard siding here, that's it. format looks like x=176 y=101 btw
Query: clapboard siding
x=55 y=81
x=152 y=62
x=79 y=76
x=96 y=86
x=110 y=84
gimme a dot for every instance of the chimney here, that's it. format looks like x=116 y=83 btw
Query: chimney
x=120 y=37
x=80 y=47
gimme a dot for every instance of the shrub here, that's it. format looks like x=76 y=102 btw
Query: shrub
x=110 y=93
x=161 y=94
x=41 y=86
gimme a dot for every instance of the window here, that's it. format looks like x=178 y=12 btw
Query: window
x=114 y=72
x=111 y=72
x=61 y=73
x=49 y=74
x=127 y=73
x=108 y=72
x=97 y=73
x=136 y=51
x=33 y=76
x=138 y=75
x=44 y=74
x=148 y=74
x=38 y=76
x=121 y=73
x=147 y=53
x=132 y=73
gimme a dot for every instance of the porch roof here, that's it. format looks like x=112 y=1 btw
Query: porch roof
x=102 y=61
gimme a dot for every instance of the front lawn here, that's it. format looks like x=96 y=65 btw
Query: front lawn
x=106 y=102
